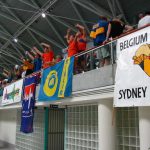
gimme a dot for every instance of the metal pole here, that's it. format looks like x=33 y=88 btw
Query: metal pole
x=46 y=128
x=65 y=129
x=112 y=62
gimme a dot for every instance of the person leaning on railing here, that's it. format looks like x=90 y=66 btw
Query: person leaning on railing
x=115 y=28
x=98 y=34
x=145 y=20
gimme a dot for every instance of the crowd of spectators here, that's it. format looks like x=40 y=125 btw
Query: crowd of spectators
x=101 y=33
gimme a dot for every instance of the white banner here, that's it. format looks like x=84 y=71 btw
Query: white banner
x=132 y=81
x=12 y=93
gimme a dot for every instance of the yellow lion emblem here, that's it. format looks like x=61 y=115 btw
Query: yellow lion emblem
x=142 y=58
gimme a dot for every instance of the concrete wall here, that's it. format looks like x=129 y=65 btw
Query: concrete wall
x=93 y=79
x=8 y=125
x=144 y=128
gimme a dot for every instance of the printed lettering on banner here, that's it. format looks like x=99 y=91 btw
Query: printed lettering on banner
x=132 y=81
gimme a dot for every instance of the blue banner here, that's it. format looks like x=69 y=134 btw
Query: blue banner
x=56 y=81
x=27 y=111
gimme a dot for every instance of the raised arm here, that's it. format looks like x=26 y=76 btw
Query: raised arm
x=46 y=45
x=29 y=54
x=5 y=74
x=128 y=28
x=68 y=35
x=76 y=36
x=82 y=29
x=108 y=32
x=40 y=53
x=4 y=70
x=32 y=51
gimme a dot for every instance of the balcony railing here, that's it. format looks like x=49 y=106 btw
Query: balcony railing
x=92 y=58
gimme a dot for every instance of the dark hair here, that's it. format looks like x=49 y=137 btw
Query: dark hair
x=103 y=18
x=147 y=13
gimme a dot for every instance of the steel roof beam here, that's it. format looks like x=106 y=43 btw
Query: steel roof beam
x=7 y=60
x=10 y=11
x=121 y=10
x=56 y=32
x=35 y=3
x=20 y=41
x=47 y=38
x=92 y=7
x=11 y=56
x=35 y=39
x=10 y=18
x=111 y=8
x=29 y=4
x=9 y=51
x=12 y=45
x=31 y=20
x=79 y=16
x=8 y=34
x=62 y=22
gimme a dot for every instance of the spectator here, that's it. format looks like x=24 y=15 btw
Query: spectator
x=140 y=15
x=1 y=89
x=17 y=73
x=72 y=46
x=58 y=59
x=47 y=56
x=81 y=39
x=115 y=28
x=8 y=75
x=98 y=34
x=27 y=66
x=37 y=61
x=72 y=43
x=81 y=46
x=144 y=20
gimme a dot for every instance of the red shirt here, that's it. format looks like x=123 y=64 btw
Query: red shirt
x=72 y=48
x=47 y=58
x=81 y=43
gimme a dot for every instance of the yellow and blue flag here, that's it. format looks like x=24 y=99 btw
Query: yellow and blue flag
x=56 y=81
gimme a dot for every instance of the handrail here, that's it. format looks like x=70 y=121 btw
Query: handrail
x=87 y=51
x=110 y=41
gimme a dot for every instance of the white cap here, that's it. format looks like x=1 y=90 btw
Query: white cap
x=6 y=80
x=16 y=66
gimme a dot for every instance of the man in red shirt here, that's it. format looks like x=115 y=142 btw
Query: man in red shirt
x=72 y=43
x=81 y=45
x=72 y=46
x=47 y=56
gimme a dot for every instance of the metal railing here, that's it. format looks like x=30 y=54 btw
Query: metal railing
x=94 y=58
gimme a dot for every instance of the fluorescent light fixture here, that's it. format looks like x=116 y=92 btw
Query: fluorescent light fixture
x=15 y=40
x=43 y=15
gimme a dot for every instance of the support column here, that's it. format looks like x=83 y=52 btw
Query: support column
x=106 y=130
x=46 y=128
x=144 y=128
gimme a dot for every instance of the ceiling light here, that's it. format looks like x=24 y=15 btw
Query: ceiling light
x=43 y=15
x=15 y=40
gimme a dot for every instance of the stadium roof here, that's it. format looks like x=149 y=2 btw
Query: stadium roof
x=22 y=20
